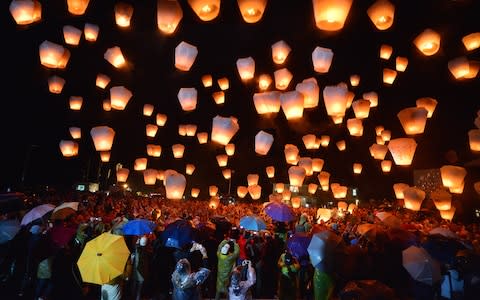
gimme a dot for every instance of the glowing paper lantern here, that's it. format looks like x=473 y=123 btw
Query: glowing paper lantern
x=161 y=176
x=282 y=78
x=119 y=97
x=385 y=51
x=161 y=119
x=379 y=129
x=310 y=92
x=457 y=189
x=150 y=176
x=242 y=191
x=267 y=102
x=357 y=168
x=448 y=214
x=381 y=13
x=317 y=164
x=230 y=149
x=252 y=179
x=471 y=41
x=324 y=214
x=264 y=81
x=246 y=68
x=296 y=201
x=202 y=137
x=212 y=190
x=309 y=141
x=123 y=14
x=188 y=98
x=102 y=137
x=175 y=185
x=223 y=83
x=452 y=176
x=280 y=51
x=354 y=80
x=206 y=10
x=107 y=106
x=306 y=163
x=386 y=135
x=182 y=130
x=279 y=187
x=442 y=199
x=428 y=42
x=195 y=192
x=379 y=140
x=378 y=151
x=372 y=97
x=115 y=57
x=102 y=81
x=351 y=208
x=75 y=102
x=178 y=150
x=335 y=98
x=222 y=160
x=270 y=170
x=459 y=67
x=147 y=110
x=75 y=132
x=473 y=69
x=341 y=145
x=413 y=119
x=291 y=154
x=263 y=142
x=361 y=108
x=413 y=198
x=296 y=175
x=214 y=202
x=428 y=103
x=389 y=76
x=322 y=59
x=342 y=205
x=169 y=15
x=185 y=55
x=151 y=130
x=140 y=164
x=292 y=104
x=219 y=97
x=154 y=150
x=474 y=139
x=252 y=10
x=227 y=173
x=330 y=15
x=122 y=174
x=53 y=55
x=355 y=127
x=223 y=129
x=90 y=31
x=55 y=84
x=339 y=191
x=68 y=148
x=312 y=188
x=77 y=7
x=71 y=35
x=324 y=140
x=402 y=150
x=401 y=64
x=25 y=12
x=207 y=80
x=386 y=166
x=398 y=188
x=191 y=129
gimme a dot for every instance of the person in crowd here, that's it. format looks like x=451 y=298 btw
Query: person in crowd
x=303 y=225
x=187 y=284
x=288 y=284
x=227 y=254
x=140 y=266
x=239 y=288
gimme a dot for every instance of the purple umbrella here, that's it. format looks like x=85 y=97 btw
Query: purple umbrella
x=279 y=212
x=298 y=243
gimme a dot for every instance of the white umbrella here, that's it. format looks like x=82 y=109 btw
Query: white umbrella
x=36 y=213
x=420 y=265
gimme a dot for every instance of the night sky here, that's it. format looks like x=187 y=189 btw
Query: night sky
x=34 y=121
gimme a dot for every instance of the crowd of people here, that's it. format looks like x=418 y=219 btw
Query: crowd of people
x=224 y=260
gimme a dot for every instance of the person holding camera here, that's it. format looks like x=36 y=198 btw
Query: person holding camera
x=288 y=284
x=238 y=288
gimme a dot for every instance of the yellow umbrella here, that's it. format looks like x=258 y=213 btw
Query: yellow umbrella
x=103 y=258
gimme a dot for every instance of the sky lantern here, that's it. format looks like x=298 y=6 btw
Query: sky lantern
x=339 y=191
x=123 y=14
x=471 y=41
x=428 y=103
x=286 y=195
x=169 y=15
x=292 y=104
x=219 y=97
x=90 y=31
x=296 y=201
x=381 y=13
x=357 y=168
x=306 y=163
x=119 y=97
x=150 y=176
x=351 y=208
x=452 y=176
x=312 y=188
x=68 y=148
x=140 y=164
x=187 y=98
x=279 y=187
x=474 y=139
x=222 y=160
x=379 y=129
x=473 y=69
x=246 y=68
x=330 y=15
x=206 y=10
x=230 y=149
x=378 y=151
x=202 y=137
x=385 y=51
x=71 y=35
x=122 y=174
x=322 y=59
x=317 y=164
x=55 y=84
x=53 y=55
x=252 y=179
x=191 y=129
x=282 y=78
x=270 y=170
x=182 y=130
x=223 y=129
x=154 y=150
x=324 y=214
x=401 y=63
x=354 y=80
x=386 y=135
x=413 y=198
x=212 y=190
x=195 y=192
x=342 y=205
x=413 y=119
x=361 y=108
x=291 y=154
x=185 y=55
x=115 y=57
x=459 y=67
x=296 y=175
x=264 y=81
x=428 y=42
x=389 y=76
x=457 y=189
x=341 y=145
x=161 y=119
x=252 y=10
x=379 y=140
x=263 y=142
x=324 y=140
x=151 y=130
x=75 y=102
x=402 y=150
x=398 y=188
x=106 y=105
x=324 y=179
x=75 y=132
x=448 y=214
x=214 y=202
x=25 y=12
x=178 y=150
x=223 y=83
x=175 y=185
x=267 y=102
x=309 y=141
x=355 y=127
x=161 y=176
x=102 y=80
x=280 y=51
x=77 y=7
x=102 y=137
x=242 y=191
x=372 y=97
x=386 y=166
x=442 y=199
x=227 y=174
x=207 y=80
x=148 y=110
x=335 y=98
x=310 y=91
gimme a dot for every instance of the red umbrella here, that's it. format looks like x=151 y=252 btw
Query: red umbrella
x=61 y=235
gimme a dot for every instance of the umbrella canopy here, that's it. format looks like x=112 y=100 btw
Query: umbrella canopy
x=36 y=213
x=443 y=249
x=64 y=210
x=103 y=258
x=443 y=232
x=62 y=235
x=298 y=243
x=178 y=234
x=138 y=227
x=253 y=223
x=279 y=212
x=321 y=249
x=402 y=238
x=370 y=231
x=8 y=230
x=420 y=265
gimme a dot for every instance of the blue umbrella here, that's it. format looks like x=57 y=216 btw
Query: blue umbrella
x=279 y=212
x=253 y=223
x=8 y=230
x=298 y=243
x=178 y=234
x=138 y=227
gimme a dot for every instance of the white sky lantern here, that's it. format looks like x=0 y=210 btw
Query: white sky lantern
x=413 y=198
x=459 y=67
x=398 y=188
x=341 y=145
x=339 y=191
x=386 y=135
x=381 y=13
x=361 y=108
x=140 y=164
x=474 y=139
x=169 y=15
x=357 y=168
x=354 y=80
x=296 y=201
x=263 y=142
x=119 y=97
x=286 y=195
x=75 y=102
x=75 y=132
x=102 y=137
x=68 y=148
x=324 y=140
x=188 y=98
x=413 y=119
x=279 y=187
x=264 y=81
x=309 y=141
x=189 y=169
x=148 y=110
x=291 y=154
x=471 y=41
x=151 y=130
x=292 y=104
x=161 y=119
x=227 y=173
x=206 y=10
x=185 y=55
x=25 y=12
x=312 y=188
x=212 y=190
x=322 y=59
x=355 y=127
x=207 y=80
x=195 y=192
x=350 y=97
x=115 y=57
x=252 y=10
x=448 y=214
x=473 y=69
x=324 y=179
x=335 y=98
x=105 y=156
x=310 y=91
x=401 y=63
x=71 y=35
x=317 y=164
x=386 y=166
x=230 y=149
x=102 y=80
x=428 y=42
x=270 y=170
x=123 y=14
x=175 y=185
x=389 y=76
x=428 y=103
x=280 y=51
x=372 y=97
x=223 y=83
x=122 y=174
x=252 y=179
x=379 y=129
x=222 y=160
x=161 y=176
x=378 y=151
x=90 y=31
x=342 y=205
x=223 y=129
x=296 y=175
x=182 y=130
x=379 y=140
x=330 y=15
x=154 y=150
x=351 y=208
x=242 y=191
x=324 y=214
x=202 y=137
x=457 y=189
x=53 y=55
x=77 y=7
x=385 y=51
x=150 y=176
x=107 y=106
x=306 y=163
x=452 y=176
x=267 y=102
x=219 y=97
x=402 y=150
x=55 y=84
x=178 y=150
x=282 y=78
x=191 y=129
x=442 y=199
x=246 y=68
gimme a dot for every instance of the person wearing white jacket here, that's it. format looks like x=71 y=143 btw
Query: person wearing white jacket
x=240 y=289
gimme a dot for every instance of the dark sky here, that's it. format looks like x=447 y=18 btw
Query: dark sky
x=33 y=121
